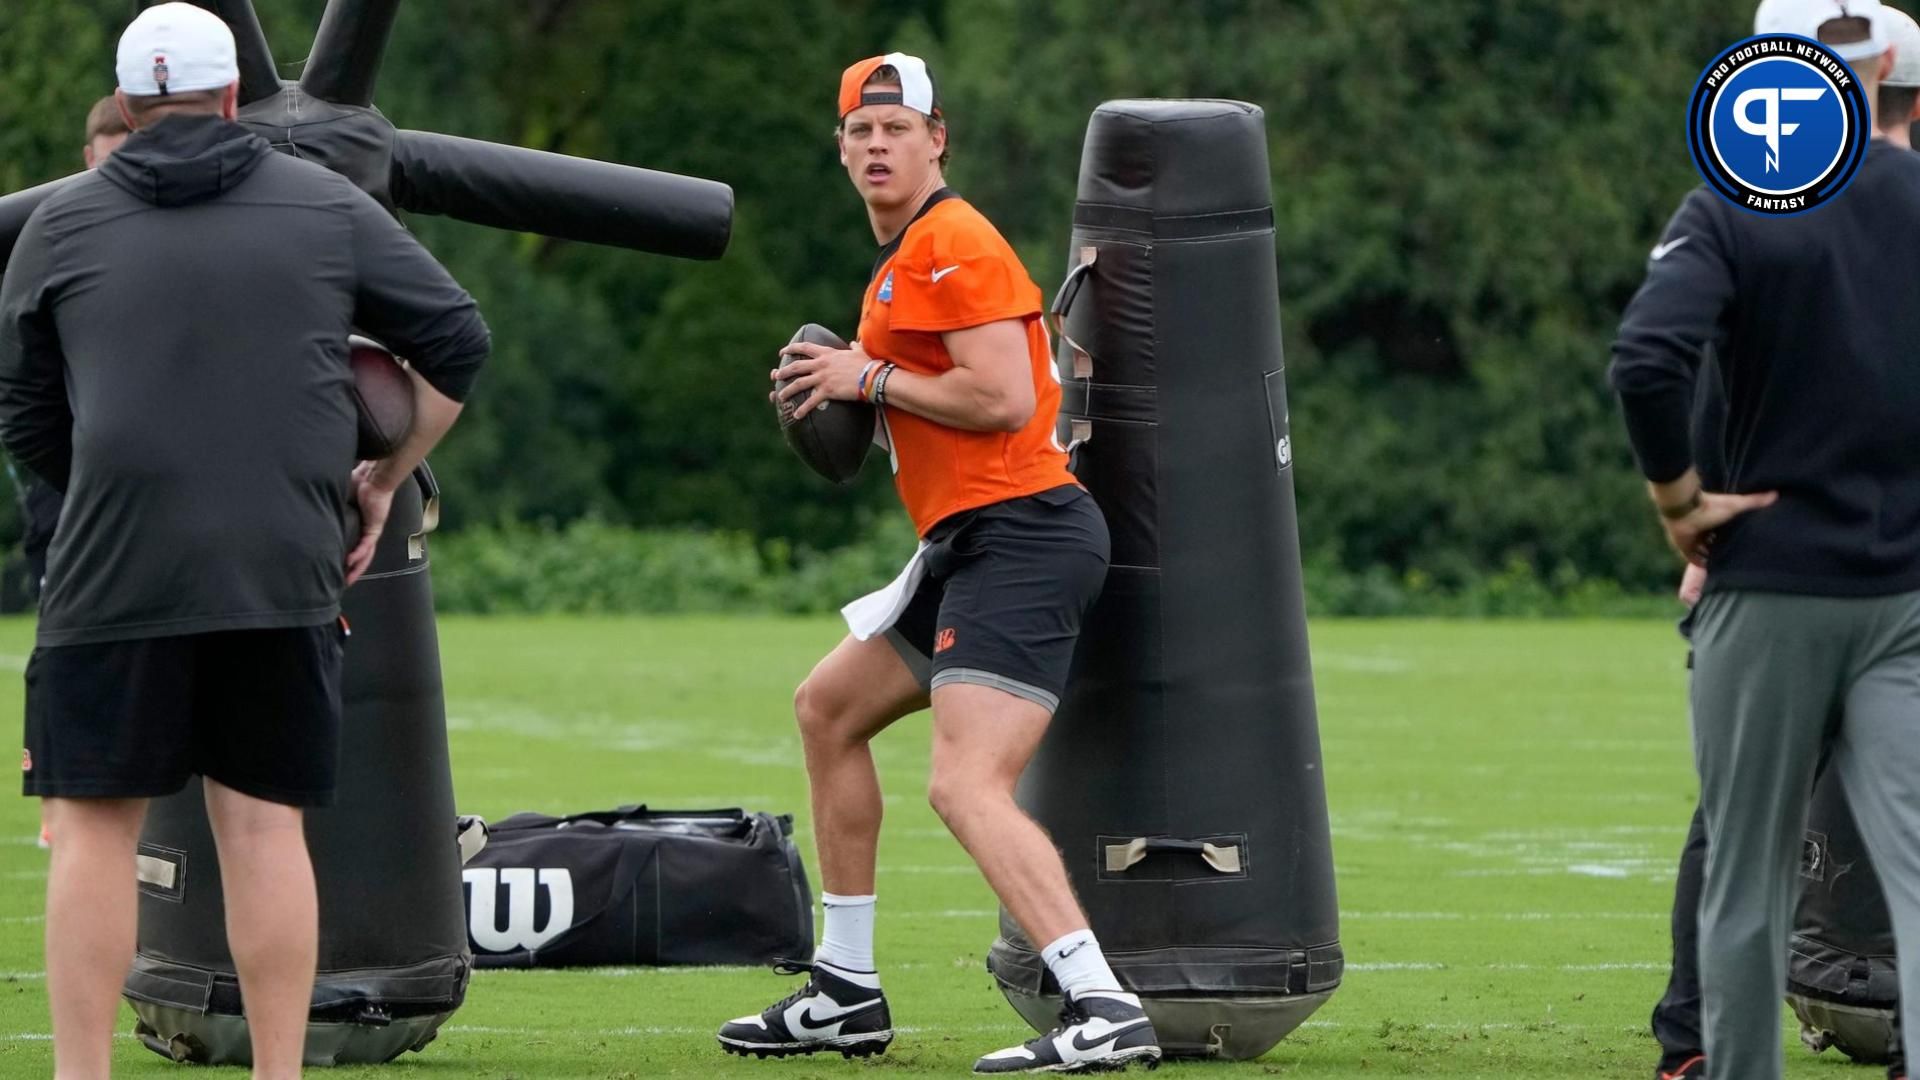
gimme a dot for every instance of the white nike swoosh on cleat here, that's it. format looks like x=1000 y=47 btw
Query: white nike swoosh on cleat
x=1089 y=1040
x=805 y=1020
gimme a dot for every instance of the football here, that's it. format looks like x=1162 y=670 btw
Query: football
x=382 y=398
x=833 y=438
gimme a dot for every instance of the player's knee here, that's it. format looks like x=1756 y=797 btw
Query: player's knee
x=955 y=794
x=112 y=822
x=947 y=798
x=818 y=711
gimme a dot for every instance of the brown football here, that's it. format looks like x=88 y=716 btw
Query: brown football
x=832 y=439
x=382 y=398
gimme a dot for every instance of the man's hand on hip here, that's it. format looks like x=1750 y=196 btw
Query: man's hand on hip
x=375 y=502
x=1690 y=515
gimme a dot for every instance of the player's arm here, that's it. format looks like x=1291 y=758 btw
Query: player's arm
x=1679 y=311
x=1663 y=335
x=989 y=387
x=36 y=422
x=409 y=302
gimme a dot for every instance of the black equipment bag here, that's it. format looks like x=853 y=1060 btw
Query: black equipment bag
x=639 y=886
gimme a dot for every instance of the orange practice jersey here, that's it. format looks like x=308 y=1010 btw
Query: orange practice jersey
x=952 y=270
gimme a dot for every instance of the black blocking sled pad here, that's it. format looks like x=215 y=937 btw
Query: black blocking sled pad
x=393 y=941
x=1181 y=777
x=641 y=887
x=1843 y=981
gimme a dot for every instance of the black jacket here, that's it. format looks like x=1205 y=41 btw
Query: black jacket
x=173 y=355
x=1815 y=322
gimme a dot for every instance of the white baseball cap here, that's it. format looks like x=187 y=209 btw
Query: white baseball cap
x=1806 y=17
x=1904 y=35
x=176 y=48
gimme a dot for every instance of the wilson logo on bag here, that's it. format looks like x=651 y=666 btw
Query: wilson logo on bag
x=522 y=885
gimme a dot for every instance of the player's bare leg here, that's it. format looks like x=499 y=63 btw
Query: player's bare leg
x=856 y=692
x=983 y=738
x=273 y=921
x=92 y=910
x=852 y=695
x=982 y=741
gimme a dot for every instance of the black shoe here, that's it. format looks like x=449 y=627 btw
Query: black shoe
x=1693 y=1068
x=1099 y=1030
x=836 y=1010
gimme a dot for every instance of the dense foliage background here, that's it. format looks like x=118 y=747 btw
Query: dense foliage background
x=1466 y=190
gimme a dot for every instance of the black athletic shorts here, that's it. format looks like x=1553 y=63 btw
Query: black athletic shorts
x=1005 y=590
x=256 y=710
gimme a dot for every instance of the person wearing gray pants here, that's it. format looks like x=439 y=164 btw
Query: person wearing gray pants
x=1807 y=637
x=1768 y=668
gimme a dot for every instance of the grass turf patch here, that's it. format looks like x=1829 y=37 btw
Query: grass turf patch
x=1508 y=801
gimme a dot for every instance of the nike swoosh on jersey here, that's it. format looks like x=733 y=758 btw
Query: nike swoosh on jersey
x=805 y=1021
x=1113 y=1032
x=1661 y=251
x=938 y=274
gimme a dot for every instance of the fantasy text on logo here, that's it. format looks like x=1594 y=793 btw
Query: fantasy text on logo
x=1778 y=124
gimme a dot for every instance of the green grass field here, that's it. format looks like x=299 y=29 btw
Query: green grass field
x=1508 y=800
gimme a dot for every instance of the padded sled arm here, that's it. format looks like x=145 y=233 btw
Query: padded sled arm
x=259 y=78
x=347 y=50
x=569 y=198
x=1121 y=857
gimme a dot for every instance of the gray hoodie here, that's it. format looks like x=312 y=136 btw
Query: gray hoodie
x=173 y=355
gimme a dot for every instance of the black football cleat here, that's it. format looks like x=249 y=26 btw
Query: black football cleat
x=836 y=1010
x=1100 y=1030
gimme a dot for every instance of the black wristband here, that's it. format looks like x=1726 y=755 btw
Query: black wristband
x=880 y=385
x=1681 y=509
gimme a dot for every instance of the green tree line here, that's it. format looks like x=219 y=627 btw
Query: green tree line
x=1465 y=192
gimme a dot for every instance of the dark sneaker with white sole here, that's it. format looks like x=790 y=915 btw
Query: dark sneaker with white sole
x=1099 y=1030
x=837 y=1010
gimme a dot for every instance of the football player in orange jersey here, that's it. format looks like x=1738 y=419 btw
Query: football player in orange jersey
x=981 y=624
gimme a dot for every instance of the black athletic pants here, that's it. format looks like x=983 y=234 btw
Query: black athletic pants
x=1676 y=1018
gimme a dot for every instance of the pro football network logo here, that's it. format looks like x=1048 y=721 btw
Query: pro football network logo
x=1778 y=124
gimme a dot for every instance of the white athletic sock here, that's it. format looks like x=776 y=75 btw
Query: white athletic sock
x=847 y=940
x=1078 y=965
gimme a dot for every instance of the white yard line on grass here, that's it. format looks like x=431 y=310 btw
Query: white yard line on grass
x=1014 y=1024
x=1426 y=965
x=1504 y=916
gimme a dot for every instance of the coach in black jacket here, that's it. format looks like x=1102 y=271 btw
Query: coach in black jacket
x=173 y=355
x=1812 y=603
